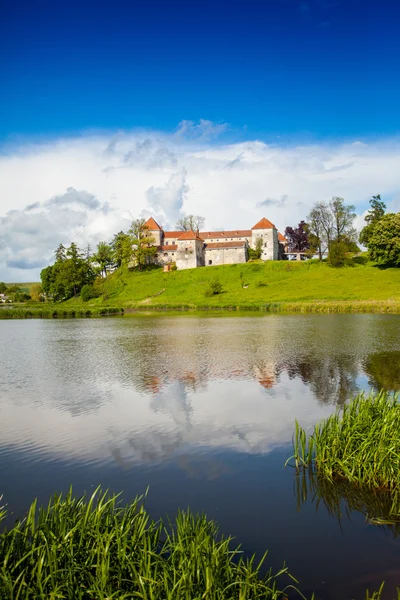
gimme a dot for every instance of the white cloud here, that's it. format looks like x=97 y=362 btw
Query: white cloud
x=88 y=187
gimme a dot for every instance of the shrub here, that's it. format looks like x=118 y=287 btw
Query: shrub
x=337 y=256
x=213 y=289
x=88 y=292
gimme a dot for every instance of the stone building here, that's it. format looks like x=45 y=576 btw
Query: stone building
x=190 y=249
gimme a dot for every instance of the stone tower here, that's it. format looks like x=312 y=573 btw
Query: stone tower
x=190 y=251
x=268 y=233
x=155 y=231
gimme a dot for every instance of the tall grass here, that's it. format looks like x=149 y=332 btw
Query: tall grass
x=359 y=444
x=58 y=312
x=95 y=549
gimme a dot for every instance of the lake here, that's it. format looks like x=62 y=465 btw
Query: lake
x=201 y=409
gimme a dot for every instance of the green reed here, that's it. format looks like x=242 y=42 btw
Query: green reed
x=58 y=312
x=359 y=443
x=96 y=549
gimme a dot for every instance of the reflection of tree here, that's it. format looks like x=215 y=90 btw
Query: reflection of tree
x=331 y=378
x=383 y=370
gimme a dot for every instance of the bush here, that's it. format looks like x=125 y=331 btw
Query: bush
x=88 y=292
x=213 y=289
x=337 y=256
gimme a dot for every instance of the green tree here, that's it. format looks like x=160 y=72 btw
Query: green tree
x=384 y=240
x=373 y=216
x=343 y=218
x=337 y=256
x=103 y=257
x=255 y=253
x=121 y=246
x=36 y=292
x=68 y=275
x=3 y=287
x=143 y=244
x=60 y=253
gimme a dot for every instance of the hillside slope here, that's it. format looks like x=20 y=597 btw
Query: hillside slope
x=251 y=284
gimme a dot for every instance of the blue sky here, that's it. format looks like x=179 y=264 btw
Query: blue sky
x=306 y=69
x=232 y=110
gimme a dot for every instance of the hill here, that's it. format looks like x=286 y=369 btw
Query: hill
x=293 y=285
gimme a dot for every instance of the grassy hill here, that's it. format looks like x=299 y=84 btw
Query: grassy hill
x=291 y=285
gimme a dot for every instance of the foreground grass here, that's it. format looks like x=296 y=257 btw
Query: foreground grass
x=271 y=286
x=358 y=444
x=95 y=549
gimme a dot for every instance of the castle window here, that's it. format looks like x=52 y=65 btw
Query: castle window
x=166 y=243
x=172 y=254
x=265 y=245
x=210 y=262
x=165 y=253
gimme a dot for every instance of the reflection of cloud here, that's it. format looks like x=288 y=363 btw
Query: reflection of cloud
x=145 y=390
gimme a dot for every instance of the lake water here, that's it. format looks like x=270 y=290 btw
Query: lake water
x=202 y=410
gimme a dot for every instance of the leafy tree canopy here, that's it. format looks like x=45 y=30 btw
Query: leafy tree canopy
x=384 y=240
x=297 y=237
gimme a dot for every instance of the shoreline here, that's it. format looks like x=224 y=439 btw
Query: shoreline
x=95 y=311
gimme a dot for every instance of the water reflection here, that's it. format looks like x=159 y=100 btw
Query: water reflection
x=341 y=499
x=144 y=390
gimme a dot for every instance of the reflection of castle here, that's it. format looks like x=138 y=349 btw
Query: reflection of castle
x=190 y=249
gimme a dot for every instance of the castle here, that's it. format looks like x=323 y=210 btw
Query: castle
x=189 y=249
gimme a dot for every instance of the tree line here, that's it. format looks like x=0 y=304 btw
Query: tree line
x=329 y=230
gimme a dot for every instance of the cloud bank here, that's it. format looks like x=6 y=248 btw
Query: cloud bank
x=86 y=188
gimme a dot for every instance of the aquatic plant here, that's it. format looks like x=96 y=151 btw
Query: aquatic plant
x=358 y=444
x=94 y=548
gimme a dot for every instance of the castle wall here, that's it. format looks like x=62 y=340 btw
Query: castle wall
x=225 y=256
x=189 y=254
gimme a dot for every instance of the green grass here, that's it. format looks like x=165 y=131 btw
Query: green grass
x=358 y=444
x=307 y=286
x=56 y=311
x=95 y=549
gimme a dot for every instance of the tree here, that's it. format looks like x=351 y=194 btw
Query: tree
x=337 y=256
x=384 y=240
x=190 y=222
x=103 y=257
x=36 y=292
x=321 y=226
x=374 y=214
x=143 y=248
x=68 y=275
x=60 y=253
x=255 y=253
x=121 y=246
x=297 y=237
x=331 y=222
x=343 y=218
x=3 y=287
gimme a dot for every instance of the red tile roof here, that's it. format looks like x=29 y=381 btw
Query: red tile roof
x=264 y=224
x=152 y=225
x=189 y=235
x=210 y=235
x=216 y=245
x=172 y=234
x=281 y=237
x=170 y=247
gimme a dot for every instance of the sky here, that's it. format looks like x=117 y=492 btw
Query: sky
x=235 y=111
